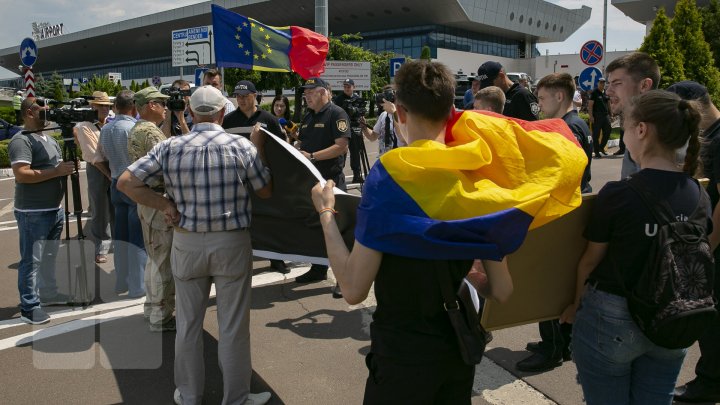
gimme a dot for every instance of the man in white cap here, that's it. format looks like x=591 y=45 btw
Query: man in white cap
x=87 y=135
x=211 y=244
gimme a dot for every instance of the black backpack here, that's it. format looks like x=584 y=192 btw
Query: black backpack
x=672 y=301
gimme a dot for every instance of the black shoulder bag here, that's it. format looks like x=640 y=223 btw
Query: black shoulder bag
x=471 y=336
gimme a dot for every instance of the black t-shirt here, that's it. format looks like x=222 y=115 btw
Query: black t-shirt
x=520 y=103
x=238 y=123
x=410 y=323
x=582 y=133
x=710 y=155
x=600 y=102
x=319 y=131
x=621 y=219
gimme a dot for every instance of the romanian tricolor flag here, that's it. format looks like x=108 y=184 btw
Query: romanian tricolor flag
x=477 y=195
x=248 y=44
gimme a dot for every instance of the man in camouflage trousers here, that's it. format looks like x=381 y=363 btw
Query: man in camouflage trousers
x=158 y=236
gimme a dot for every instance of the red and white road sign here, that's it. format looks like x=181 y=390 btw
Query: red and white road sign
x=29 y=82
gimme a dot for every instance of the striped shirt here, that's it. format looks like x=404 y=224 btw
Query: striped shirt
x=207 y=172
x=114 y=144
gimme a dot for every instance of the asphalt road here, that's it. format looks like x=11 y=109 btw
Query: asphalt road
x=307 y=348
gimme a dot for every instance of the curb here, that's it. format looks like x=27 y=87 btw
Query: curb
x=6 y=173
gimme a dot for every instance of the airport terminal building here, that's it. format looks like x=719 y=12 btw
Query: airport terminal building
x=460 y=33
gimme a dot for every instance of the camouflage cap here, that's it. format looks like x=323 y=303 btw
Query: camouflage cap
x=147 y=94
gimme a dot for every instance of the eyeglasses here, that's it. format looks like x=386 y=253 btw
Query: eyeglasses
x=160 y=102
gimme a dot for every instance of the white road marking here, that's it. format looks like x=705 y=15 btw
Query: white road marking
x=126 y=308
x=492 y=382
x=6 y=209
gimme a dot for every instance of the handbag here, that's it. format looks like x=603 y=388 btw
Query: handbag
x=471 y=336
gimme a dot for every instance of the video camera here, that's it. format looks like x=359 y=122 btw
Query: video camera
x=67 y=116
x=355 y=108
x=176 y=102
x=388 y=94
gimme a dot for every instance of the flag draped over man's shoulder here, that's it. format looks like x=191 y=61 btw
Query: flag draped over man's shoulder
x=477 y=195
x=248 y=44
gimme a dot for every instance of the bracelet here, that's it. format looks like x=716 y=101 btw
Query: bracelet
x=324 y=210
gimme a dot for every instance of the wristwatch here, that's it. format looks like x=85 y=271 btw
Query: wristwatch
x=312 y=157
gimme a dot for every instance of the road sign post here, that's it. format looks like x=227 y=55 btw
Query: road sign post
x=591 y=53
x=395 y=64
x=193 y=46
x=589 y=78
x=199 y=72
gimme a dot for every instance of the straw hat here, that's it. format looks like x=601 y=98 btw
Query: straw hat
x=100 y=98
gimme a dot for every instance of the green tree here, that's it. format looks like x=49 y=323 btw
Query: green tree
x=100 y=83
x=711 y=28
x=57 y=87
x=660 y=44
x=42 y=86
x=699 y=64
x=425 y=53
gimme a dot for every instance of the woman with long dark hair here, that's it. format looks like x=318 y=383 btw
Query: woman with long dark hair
x=617 y=364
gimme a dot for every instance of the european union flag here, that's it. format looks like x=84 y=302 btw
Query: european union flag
x=245 y=43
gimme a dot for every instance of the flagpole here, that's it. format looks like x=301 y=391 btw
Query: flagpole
x=321 y=17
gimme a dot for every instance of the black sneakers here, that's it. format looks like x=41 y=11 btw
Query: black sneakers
x=35 y=317
x=312 y=275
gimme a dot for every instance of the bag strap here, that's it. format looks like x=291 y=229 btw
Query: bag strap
x=450 y=299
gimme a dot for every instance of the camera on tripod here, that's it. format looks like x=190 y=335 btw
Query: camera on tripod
x=388 y=95
x=64 y=116
x=355 y=108
x=176 y=102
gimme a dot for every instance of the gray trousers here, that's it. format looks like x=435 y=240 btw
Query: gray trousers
x=103 y=214
x=197 y=261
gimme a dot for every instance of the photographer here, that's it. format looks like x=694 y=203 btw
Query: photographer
x=385 y=127
x=349 y=101
x=324 y=134
x=87 y=136
x=180 y=121
x=38 y=167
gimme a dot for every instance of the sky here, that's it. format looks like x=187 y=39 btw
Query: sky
x=77 y=15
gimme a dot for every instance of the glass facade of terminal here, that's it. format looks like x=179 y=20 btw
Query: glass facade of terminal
x=402 y=41
x=410 y=41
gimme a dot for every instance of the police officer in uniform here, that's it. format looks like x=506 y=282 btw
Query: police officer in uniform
x=324 y=137
x=519 y=101
x=243 y=119
x=349 y=95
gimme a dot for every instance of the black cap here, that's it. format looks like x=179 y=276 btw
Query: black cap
x=487 y=72
x=351 y=82
x=688 y=90
x=314 y=82
x=244 y=88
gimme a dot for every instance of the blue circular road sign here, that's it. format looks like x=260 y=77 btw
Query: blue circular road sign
x=589 y=78
x=591 y=53
x=28 y=52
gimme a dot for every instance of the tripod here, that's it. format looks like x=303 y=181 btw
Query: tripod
x=79 y=294
x=357 y=136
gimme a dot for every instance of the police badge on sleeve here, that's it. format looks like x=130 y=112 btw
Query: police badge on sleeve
x=342 y=125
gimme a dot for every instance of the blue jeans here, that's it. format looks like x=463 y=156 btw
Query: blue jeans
x=130 y=256
x=616 y=363
x=39 y=239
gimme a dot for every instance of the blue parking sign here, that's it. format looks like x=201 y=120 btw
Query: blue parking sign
x=395 y=64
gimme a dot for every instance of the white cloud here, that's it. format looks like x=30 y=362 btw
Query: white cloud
x=623 y=33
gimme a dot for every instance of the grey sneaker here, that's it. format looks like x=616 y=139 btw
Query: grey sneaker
x=57 y=299
x=260 y=398
x=35 y=317
x=167 y=326
x=177 y=398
